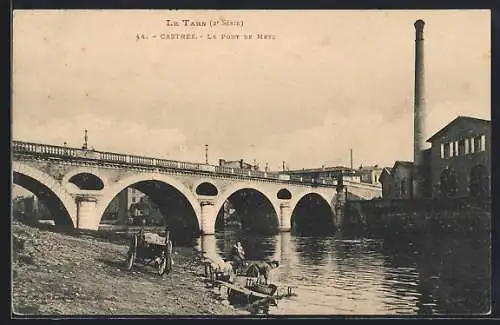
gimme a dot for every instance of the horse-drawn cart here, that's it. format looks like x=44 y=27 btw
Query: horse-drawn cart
x=148 y=248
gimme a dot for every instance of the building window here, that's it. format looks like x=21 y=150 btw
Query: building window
x=133 y=199
x=472 y=146
x=477 y=144
x=466 y=141
x=403 y=188
x=483 y=143
x=442 y=150
x=456 y=149
x=447 y=150
x=461 y=147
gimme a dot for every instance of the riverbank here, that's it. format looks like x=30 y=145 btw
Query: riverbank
x=74 y=274
x=438 y=217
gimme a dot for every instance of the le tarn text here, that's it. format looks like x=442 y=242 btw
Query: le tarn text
x=203 y=23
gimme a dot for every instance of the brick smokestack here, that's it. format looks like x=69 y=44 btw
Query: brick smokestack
x=419 y=114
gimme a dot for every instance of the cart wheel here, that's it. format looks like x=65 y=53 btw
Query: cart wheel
x=162 y=266
x=130 y=260
x=132 y=253
x=169 y=263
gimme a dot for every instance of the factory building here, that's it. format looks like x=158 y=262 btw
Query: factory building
x=458 y=162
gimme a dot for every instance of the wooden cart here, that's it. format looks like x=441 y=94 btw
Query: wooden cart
x=147 y=249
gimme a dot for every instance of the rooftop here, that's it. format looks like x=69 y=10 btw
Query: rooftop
x=455 y=121
x=322 y=169
x=369 y=168
x=403 y=163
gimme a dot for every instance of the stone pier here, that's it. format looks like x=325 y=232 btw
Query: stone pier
x=86 y=213
x=285 y=217
x=208 y=216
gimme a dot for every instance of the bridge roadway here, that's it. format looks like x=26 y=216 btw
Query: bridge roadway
x=77 y=185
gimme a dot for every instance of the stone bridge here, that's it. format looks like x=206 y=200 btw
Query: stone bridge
x=77 y=185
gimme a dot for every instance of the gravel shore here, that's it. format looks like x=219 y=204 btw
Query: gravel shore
x=63 y=274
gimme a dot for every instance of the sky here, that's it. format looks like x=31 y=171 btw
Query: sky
x=326 y=82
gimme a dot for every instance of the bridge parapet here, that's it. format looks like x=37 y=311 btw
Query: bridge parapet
x=29 y=150
x=102 y=157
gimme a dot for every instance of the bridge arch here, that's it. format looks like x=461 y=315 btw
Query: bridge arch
x=58 y=191
x=268 y=197
x=295 y=200
x=84 y=170
x=113 y=190
x=300 y=212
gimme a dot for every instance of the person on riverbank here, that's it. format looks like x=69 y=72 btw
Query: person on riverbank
x=238 y=256
x=262 y=270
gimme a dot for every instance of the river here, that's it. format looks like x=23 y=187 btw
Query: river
x=333 y=275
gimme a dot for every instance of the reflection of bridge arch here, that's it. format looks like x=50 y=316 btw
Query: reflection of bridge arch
x=240 y=187
x=116 y=188
x=59 y=193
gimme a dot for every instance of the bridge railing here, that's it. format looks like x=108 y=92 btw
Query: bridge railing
x=224 y=170
x=113 y=157
x=22 y=147
x=138 y=160
x=167 y=163
x=28 y=147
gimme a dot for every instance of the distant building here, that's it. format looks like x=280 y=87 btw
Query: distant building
x=458 y=164
x=134 y=196
x=30 y=207
x=237 y=164
x=145 y=208
x=370 y=174
x=327 y=173
x=397 y=182
x=385 y=180
x=119 y=207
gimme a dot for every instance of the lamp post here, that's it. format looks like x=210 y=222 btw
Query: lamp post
x=85 y=140
x=206 y=154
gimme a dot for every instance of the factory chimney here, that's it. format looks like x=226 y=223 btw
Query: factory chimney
x=419 y=114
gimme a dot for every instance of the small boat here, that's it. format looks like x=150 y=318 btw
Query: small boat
x=238 y=293
x=266 y=289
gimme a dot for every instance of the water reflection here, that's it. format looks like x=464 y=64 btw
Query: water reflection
x=335 y=275
x=311 y=250
x=208 y=246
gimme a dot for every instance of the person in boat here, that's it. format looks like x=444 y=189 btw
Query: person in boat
x=261 y=270
x=238 y=256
